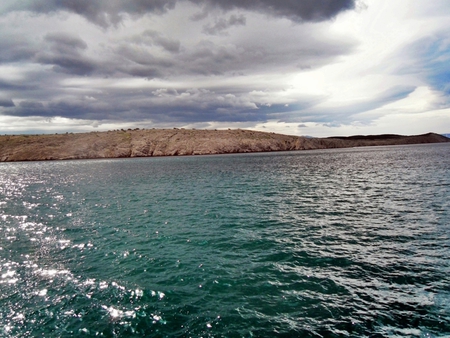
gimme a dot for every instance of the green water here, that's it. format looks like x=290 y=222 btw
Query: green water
x=335 y=243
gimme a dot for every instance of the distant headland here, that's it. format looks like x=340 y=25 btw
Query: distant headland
x=171 y=142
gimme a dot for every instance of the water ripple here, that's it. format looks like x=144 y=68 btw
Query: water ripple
x=332 y=243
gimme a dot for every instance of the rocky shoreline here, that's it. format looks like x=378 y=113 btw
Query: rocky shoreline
x=179 y=142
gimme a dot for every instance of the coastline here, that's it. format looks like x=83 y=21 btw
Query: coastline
x=180 y=142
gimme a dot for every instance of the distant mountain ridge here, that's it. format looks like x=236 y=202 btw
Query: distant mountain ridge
x=446 y=135
x=172 y=142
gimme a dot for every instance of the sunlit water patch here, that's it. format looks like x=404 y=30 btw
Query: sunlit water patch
x=332 y=243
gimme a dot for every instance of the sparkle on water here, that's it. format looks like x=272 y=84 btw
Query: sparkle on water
x=332 y=243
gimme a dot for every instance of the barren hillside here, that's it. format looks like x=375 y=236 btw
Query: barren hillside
x=170 y=142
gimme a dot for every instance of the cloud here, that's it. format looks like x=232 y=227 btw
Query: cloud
x=299 y=11
x=14 y=48
x=252 y=63
x=430 y=61
x=135 y=60
x=65 y=43
x=6 y=102
x=106 y=13
x=222 y=24
x=148 y=53
x=354 y=112
x=154 y=38
x=356 y=107
x=65 y=53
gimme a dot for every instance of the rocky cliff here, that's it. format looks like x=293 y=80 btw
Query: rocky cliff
x=171 y=142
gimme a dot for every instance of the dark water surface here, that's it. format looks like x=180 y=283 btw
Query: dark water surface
x=332 y=243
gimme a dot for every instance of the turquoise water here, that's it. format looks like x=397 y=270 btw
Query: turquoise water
x=331 y=243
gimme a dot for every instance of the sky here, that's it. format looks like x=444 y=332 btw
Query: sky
x=300 y=67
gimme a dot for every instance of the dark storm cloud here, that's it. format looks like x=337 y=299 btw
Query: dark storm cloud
x=32 y=83
x=77 y=107
x=208 y=58
x=65 y=43
x=296 y=10
x=222 y=24
x=28 y=108
x=14 y=48
x=137 y=61
x=152 y=55
x=101 y=12
x=131 y=57
x=65 y=53
x=58 y=59
x=75 y=65
x=170 y=45
x=184 y=105
x=110 y=12
x=154 y=38
x=31 y=105
x=16 y=86
x=6 y=102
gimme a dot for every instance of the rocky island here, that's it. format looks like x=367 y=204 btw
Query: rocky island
x=171 y=142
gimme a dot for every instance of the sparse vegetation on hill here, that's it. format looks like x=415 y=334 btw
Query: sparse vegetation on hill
x=171 y=142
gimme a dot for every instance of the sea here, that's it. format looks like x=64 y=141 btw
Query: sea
x=322 y=243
